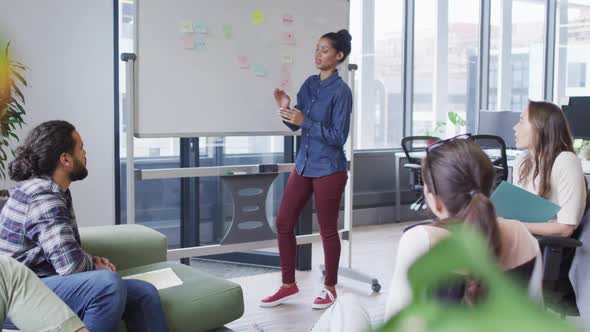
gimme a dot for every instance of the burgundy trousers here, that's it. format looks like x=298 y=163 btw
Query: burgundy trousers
x=327 y=192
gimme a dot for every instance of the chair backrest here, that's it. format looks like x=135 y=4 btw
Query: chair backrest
x=416 y=144
x=585 y=217
x=495 y=147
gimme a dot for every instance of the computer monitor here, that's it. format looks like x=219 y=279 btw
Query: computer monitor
x=499 y=123
x=577 y=113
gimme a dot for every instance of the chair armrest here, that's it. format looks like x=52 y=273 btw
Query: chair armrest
x=412 y=166
x=126 y=246
x=553 y=255
x=558 y=241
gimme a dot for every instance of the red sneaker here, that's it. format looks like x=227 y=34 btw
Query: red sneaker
x=324 y=300
x=282 y=295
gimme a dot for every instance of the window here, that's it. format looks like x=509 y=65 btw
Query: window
x=517 y=48
x=445 y=63
x=572 y=54
x=576 y=75
x=376 y=29
x=424 y=118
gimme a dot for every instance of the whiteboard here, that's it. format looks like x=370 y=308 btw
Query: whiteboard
x=218 y=79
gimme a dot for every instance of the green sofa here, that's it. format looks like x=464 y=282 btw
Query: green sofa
x=203 y=302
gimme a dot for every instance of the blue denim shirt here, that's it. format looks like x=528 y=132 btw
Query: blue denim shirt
x=326 y=106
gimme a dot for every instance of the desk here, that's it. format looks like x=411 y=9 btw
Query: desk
x=400 y=155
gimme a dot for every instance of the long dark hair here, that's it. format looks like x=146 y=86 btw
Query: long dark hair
x=40 y=153
x=341 y=41
x=552 y=136
x=464 y=177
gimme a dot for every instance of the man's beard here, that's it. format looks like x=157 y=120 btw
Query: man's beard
x=80 y=172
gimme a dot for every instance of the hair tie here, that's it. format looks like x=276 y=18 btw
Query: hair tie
x=473 y=193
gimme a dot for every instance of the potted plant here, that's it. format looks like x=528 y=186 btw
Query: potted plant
x=437 y=129
x=12 y=103
x=457 y=121
x=582 y=148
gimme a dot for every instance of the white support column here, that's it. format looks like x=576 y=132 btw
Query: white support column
x=550 y=36
x=407 y=70
x=561 y=53
x=484 y=57
x=440 y=97
x=504 y=58
x=367 y=79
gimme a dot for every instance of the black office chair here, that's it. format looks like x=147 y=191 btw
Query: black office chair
x=489 y=143
x=411 y=145
x=558 y=254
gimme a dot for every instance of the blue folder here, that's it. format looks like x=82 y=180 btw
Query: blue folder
x=512 y=202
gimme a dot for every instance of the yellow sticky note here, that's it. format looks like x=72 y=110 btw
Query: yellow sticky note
x=258 y=17
x=185 y=26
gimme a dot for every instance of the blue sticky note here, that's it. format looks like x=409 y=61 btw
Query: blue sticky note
x=200 y=28
x=200 y=43
x=259 y=70
x=512 y=202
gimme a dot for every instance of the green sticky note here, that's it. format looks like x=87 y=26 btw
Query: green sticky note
x=228 y=31
x=258 y=17
x=512 y=202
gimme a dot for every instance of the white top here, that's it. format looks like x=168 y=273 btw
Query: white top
x=517 y=247
x=568 y=188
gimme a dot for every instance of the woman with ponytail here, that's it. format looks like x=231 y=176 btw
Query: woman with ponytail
x=458 y=178
x=324 y=105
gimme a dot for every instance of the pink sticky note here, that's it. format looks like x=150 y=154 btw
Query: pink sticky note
x=285 y=80
x=187 y=41
x=243 y=62
x=288 y=19
x=288 y=38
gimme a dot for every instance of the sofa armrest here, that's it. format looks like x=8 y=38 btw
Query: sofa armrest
x=126 y=246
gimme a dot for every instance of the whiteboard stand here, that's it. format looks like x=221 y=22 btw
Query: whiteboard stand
x=348 y=272
x=129 y=59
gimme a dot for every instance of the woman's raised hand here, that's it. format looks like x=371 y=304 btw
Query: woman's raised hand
x=281 y=98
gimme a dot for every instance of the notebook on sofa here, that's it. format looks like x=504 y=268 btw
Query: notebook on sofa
x=161 y=279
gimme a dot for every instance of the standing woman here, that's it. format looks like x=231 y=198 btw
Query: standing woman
x=324 y=106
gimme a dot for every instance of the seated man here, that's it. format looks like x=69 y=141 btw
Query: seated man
x=30 y=304
x=38 y=228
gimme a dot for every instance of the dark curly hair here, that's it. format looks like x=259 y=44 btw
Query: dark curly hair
x=341 y=41
x=39 y=155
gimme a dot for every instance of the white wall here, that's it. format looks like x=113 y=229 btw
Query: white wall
x=68 y=46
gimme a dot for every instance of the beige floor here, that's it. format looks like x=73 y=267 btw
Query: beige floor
x=373 y=252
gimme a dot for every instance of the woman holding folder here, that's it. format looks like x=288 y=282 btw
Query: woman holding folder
x=324 y=105
x=549 y=167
